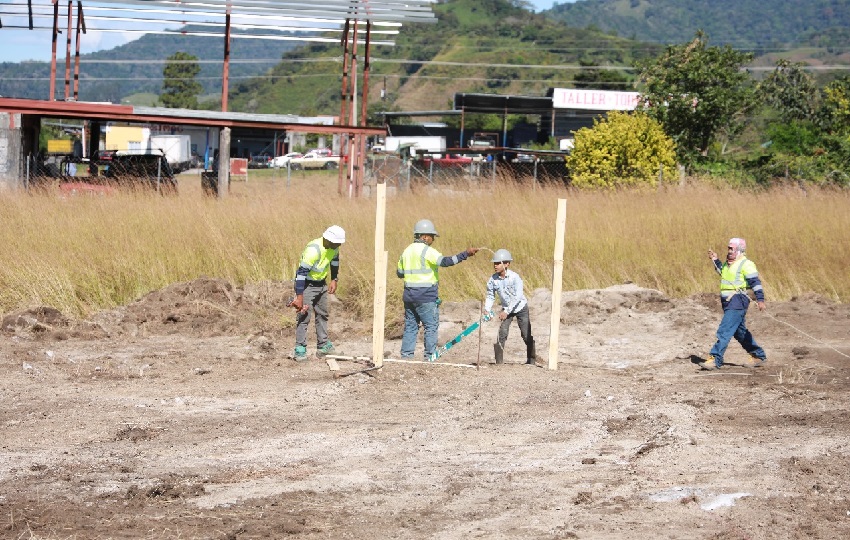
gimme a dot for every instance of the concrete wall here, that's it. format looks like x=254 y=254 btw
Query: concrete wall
x=11 y=160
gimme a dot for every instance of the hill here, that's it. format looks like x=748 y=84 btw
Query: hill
x=492 y=46
x=136 y=67
x=743 y=24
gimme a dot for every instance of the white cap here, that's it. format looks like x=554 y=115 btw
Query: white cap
x=334 y=234
x=739 y=243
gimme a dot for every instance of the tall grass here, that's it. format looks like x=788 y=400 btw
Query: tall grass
x=82 y=254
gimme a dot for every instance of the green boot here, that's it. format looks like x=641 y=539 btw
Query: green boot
x=300 y=353
x=326 y=349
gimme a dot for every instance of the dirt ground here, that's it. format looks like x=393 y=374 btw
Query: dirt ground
x=182 y=416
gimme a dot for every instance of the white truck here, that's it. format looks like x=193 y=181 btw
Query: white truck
x=431 y=143
x=177 y=150
x=314 y=160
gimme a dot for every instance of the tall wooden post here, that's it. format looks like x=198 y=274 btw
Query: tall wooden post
x=379 y=312
x=53 y=50
x=223 y=162
x=81 y=27
x=557 y=277
x=68 y=51
x=225 y=75
x=343 y=112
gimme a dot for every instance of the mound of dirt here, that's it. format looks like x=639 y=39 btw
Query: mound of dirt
x=45 y=323
x=205 y=307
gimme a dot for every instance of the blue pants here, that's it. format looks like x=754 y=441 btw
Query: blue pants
x=734 y=325
x=428 y=315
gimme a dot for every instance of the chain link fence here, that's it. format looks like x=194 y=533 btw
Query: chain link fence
x=407 y=174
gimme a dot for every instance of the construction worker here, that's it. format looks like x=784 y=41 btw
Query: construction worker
x=508 y=286
x=737 y=274
x=319 y=258
x=418 y=266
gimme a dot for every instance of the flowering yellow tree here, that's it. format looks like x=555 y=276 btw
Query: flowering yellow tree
x=624 y=149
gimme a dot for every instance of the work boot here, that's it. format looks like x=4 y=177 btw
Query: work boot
x=499 y=352
x=326 y=349
x=709 y=364
x=530 y=355
x=300 y=353
x=756 y=361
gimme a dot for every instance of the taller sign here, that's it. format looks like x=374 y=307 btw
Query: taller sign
x=594 y=100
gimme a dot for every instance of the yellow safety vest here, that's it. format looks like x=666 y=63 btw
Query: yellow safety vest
x=317 y=259
x=733 y=279
x=419 y=263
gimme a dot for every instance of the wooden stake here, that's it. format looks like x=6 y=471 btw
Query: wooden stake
x=379 y=310
x=557 y=278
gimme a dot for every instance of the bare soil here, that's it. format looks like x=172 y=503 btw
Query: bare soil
x=182 y=416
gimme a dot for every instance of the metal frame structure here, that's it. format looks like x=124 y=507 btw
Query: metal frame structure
x=300 y=20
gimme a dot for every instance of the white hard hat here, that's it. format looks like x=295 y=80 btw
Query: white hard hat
x=334 y=234
x=424 y=226
x=502 y=255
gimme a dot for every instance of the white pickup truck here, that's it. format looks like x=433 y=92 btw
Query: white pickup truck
x=314 y=160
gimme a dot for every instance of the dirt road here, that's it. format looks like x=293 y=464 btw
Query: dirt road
x=181 y=416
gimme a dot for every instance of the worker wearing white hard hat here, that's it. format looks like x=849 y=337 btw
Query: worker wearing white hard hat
x=419 y=267
x=737 y=274
x=318 y=260
x=507 y=286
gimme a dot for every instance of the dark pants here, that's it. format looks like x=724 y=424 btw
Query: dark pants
x=524 y=323
x=316 y=297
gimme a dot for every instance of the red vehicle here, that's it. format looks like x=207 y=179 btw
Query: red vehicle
x=448 y=160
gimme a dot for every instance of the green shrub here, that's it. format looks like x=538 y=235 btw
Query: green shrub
x=624 y=149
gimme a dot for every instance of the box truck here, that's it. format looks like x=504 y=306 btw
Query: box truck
x=177 y=150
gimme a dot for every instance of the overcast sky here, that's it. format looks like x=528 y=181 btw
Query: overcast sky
x=18 y=44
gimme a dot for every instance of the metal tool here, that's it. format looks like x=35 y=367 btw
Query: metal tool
x=458 y=338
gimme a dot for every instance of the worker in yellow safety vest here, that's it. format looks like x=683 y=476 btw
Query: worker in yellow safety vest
x=318 y=260
x=737 y=274
x=419 y=267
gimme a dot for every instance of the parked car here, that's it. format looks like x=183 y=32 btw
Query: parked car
x=141 y=170
x=449 y=160
x=260 y=161
x=314 y=160
x=322 y=152
x=524 y=158
x=283 y=161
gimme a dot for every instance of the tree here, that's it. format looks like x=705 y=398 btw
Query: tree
x=180 y=90
x=624 y=149
x=791 y=91
x=835 y=112
x=698 y=93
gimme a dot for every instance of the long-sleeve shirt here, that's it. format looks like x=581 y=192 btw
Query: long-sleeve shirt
x=509 y=290
x=316 y=262
x=735 y=279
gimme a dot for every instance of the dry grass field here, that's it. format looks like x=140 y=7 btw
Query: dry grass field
x=148 y=392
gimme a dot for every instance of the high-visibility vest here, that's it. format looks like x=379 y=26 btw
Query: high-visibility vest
x=733 y=279
x=318 y=259
x=419 y=265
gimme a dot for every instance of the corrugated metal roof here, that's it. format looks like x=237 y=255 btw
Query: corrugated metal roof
x=255 y=19
x=128 y=113
x=493 y=103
